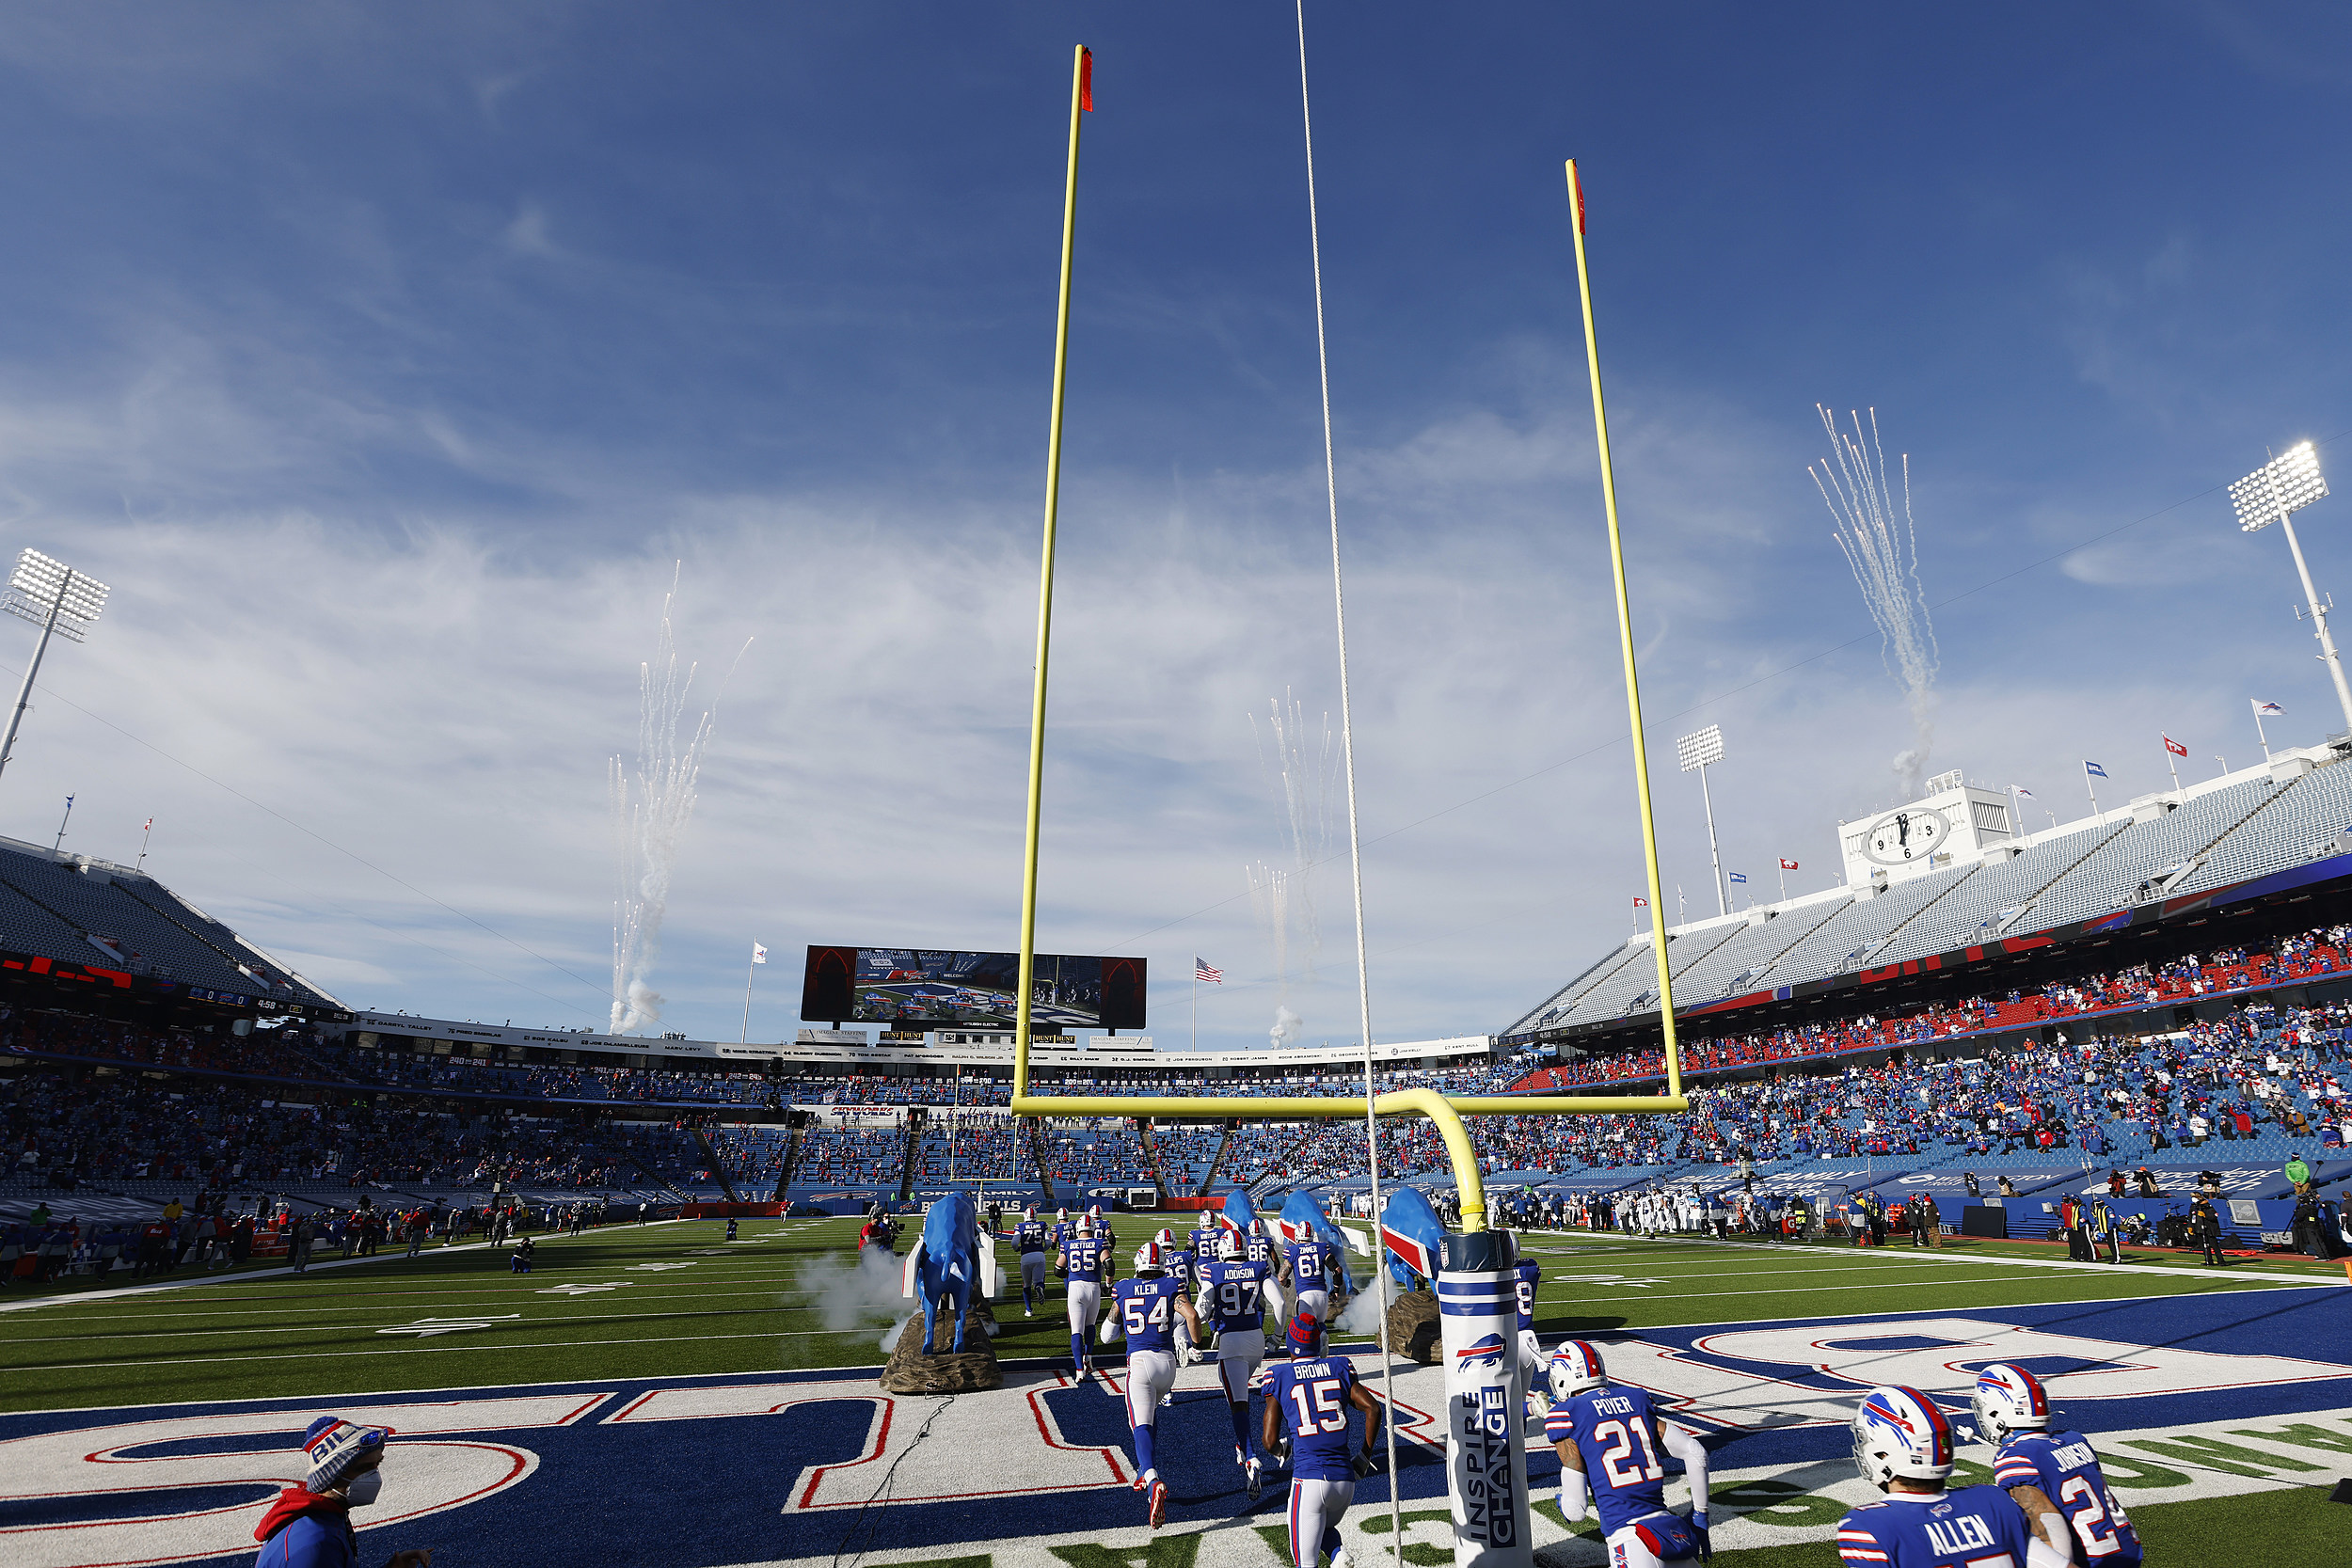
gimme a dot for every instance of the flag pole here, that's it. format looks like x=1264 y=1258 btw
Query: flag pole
x=2258 y=735
x=2092 y=791
x=747 y=997
x=1081 y=70
x=2175 y=768
x=1625 y=639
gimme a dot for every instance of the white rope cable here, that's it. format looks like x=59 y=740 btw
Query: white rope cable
x=1355 y=847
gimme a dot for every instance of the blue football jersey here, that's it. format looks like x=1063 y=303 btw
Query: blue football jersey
x=1233 y=1295
x=1949 y=1530
x=1311 y=1260
x=1179 y=1266
x=1612 y=1428
x=1524 y=1279
x=1083 y=1257
x=1029 y=1236
x=1203 y=1242
x=1147 y=1312
x=2065 y=1466
x=1312 y=1398
x=1256 y=1248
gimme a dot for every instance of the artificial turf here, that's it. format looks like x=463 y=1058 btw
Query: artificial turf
x=678 y=1299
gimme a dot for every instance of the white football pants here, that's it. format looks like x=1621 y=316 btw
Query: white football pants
x=1238 y=1352
x=1316 y=1509
x=1086 y=1301
x=1150 y=1373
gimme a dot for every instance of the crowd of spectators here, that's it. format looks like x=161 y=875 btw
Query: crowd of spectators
x=2307 y=955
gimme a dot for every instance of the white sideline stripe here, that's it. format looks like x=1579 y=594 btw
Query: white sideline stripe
x=402 y=1306
x=69 y=1300
x=508 y=1349
x=1926 y=1255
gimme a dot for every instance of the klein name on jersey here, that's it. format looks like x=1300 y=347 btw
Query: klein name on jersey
x=1960 y=1532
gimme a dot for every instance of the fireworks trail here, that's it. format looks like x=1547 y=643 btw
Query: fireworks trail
x=1882 y=549
x=650 y=809
x=1303 y=763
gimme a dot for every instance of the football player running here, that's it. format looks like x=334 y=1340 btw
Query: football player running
x=1311 y=1264
x=1029 y=1238
x=1182 y=1265
x=1087 y=1263
x=2051 y=1475
x=1525 y=1277
x=1612 y=1432
x=1306 y=1409
x=1903 y=1445
x=1149 y=1309
x=1232 y=1301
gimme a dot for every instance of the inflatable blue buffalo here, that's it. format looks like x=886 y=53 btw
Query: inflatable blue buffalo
x=1411 y=1236
x=947 y=1264
x=1303 y=1216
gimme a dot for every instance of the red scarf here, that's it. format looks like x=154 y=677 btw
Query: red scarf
x=293 y=1502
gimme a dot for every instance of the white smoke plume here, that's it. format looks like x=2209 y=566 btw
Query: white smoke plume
x=650 y=809
x=1882 y=549
x=849 y=1295
x=1303 y=763
x=1368 y=1306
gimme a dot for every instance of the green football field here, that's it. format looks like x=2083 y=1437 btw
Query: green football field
x=678 y=1299
x=674 y=1299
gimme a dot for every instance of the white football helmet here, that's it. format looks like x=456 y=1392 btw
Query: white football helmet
x=1148 y=1256
x=1086 y=1225
x=1576 y=1366
x=2009 y=1398
x=1031 y=1213
x=1900 y=1431
x=1166 y=1240
x=1061 y=1214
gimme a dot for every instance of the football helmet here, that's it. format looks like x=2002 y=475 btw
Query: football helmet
x=1086 y=1225
x=2008 y=1398
x=1576 y=1366
x=1166 y=1240
x=1147 y=1255
x=1900 y=1431
x=1061 y=1213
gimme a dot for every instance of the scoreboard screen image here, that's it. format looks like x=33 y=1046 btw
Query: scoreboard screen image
x=927 y=988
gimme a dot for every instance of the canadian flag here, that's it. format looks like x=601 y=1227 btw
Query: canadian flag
x=1788 y=865
x=2175 y=747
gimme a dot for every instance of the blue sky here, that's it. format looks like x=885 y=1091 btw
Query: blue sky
x=385 y=361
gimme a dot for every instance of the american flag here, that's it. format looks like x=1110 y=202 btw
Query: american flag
x=1200 y=971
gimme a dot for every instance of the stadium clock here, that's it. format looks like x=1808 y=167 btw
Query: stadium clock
x=1901 y=837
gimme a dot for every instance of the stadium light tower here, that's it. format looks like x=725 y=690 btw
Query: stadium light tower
x=1696 y=752
x=2273 y=494
x=58 y=598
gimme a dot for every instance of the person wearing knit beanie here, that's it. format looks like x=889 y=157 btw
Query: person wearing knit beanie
x=309 y=1526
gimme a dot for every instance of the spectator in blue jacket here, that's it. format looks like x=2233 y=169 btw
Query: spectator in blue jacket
x=309 y=1526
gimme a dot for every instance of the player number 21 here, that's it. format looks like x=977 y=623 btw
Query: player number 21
x=1622 y=1435
x=1327 y=1415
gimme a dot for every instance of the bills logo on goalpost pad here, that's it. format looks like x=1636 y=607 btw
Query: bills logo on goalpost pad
x=1481 y=1354
x=1485 y=1443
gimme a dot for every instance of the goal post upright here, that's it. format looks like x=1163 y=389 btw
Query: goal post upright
x=1446 y=1112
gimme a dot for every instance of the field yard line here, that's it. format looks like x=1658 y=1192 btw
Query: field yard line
x=1800 y=1289
x=287 y=1270
x=1928 y=1255
x=502 y=1301
x=328 y=1328
x=441 y=1350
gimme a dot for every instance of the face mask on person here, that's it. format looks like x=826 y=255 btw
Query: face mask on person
x=364 y=1488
